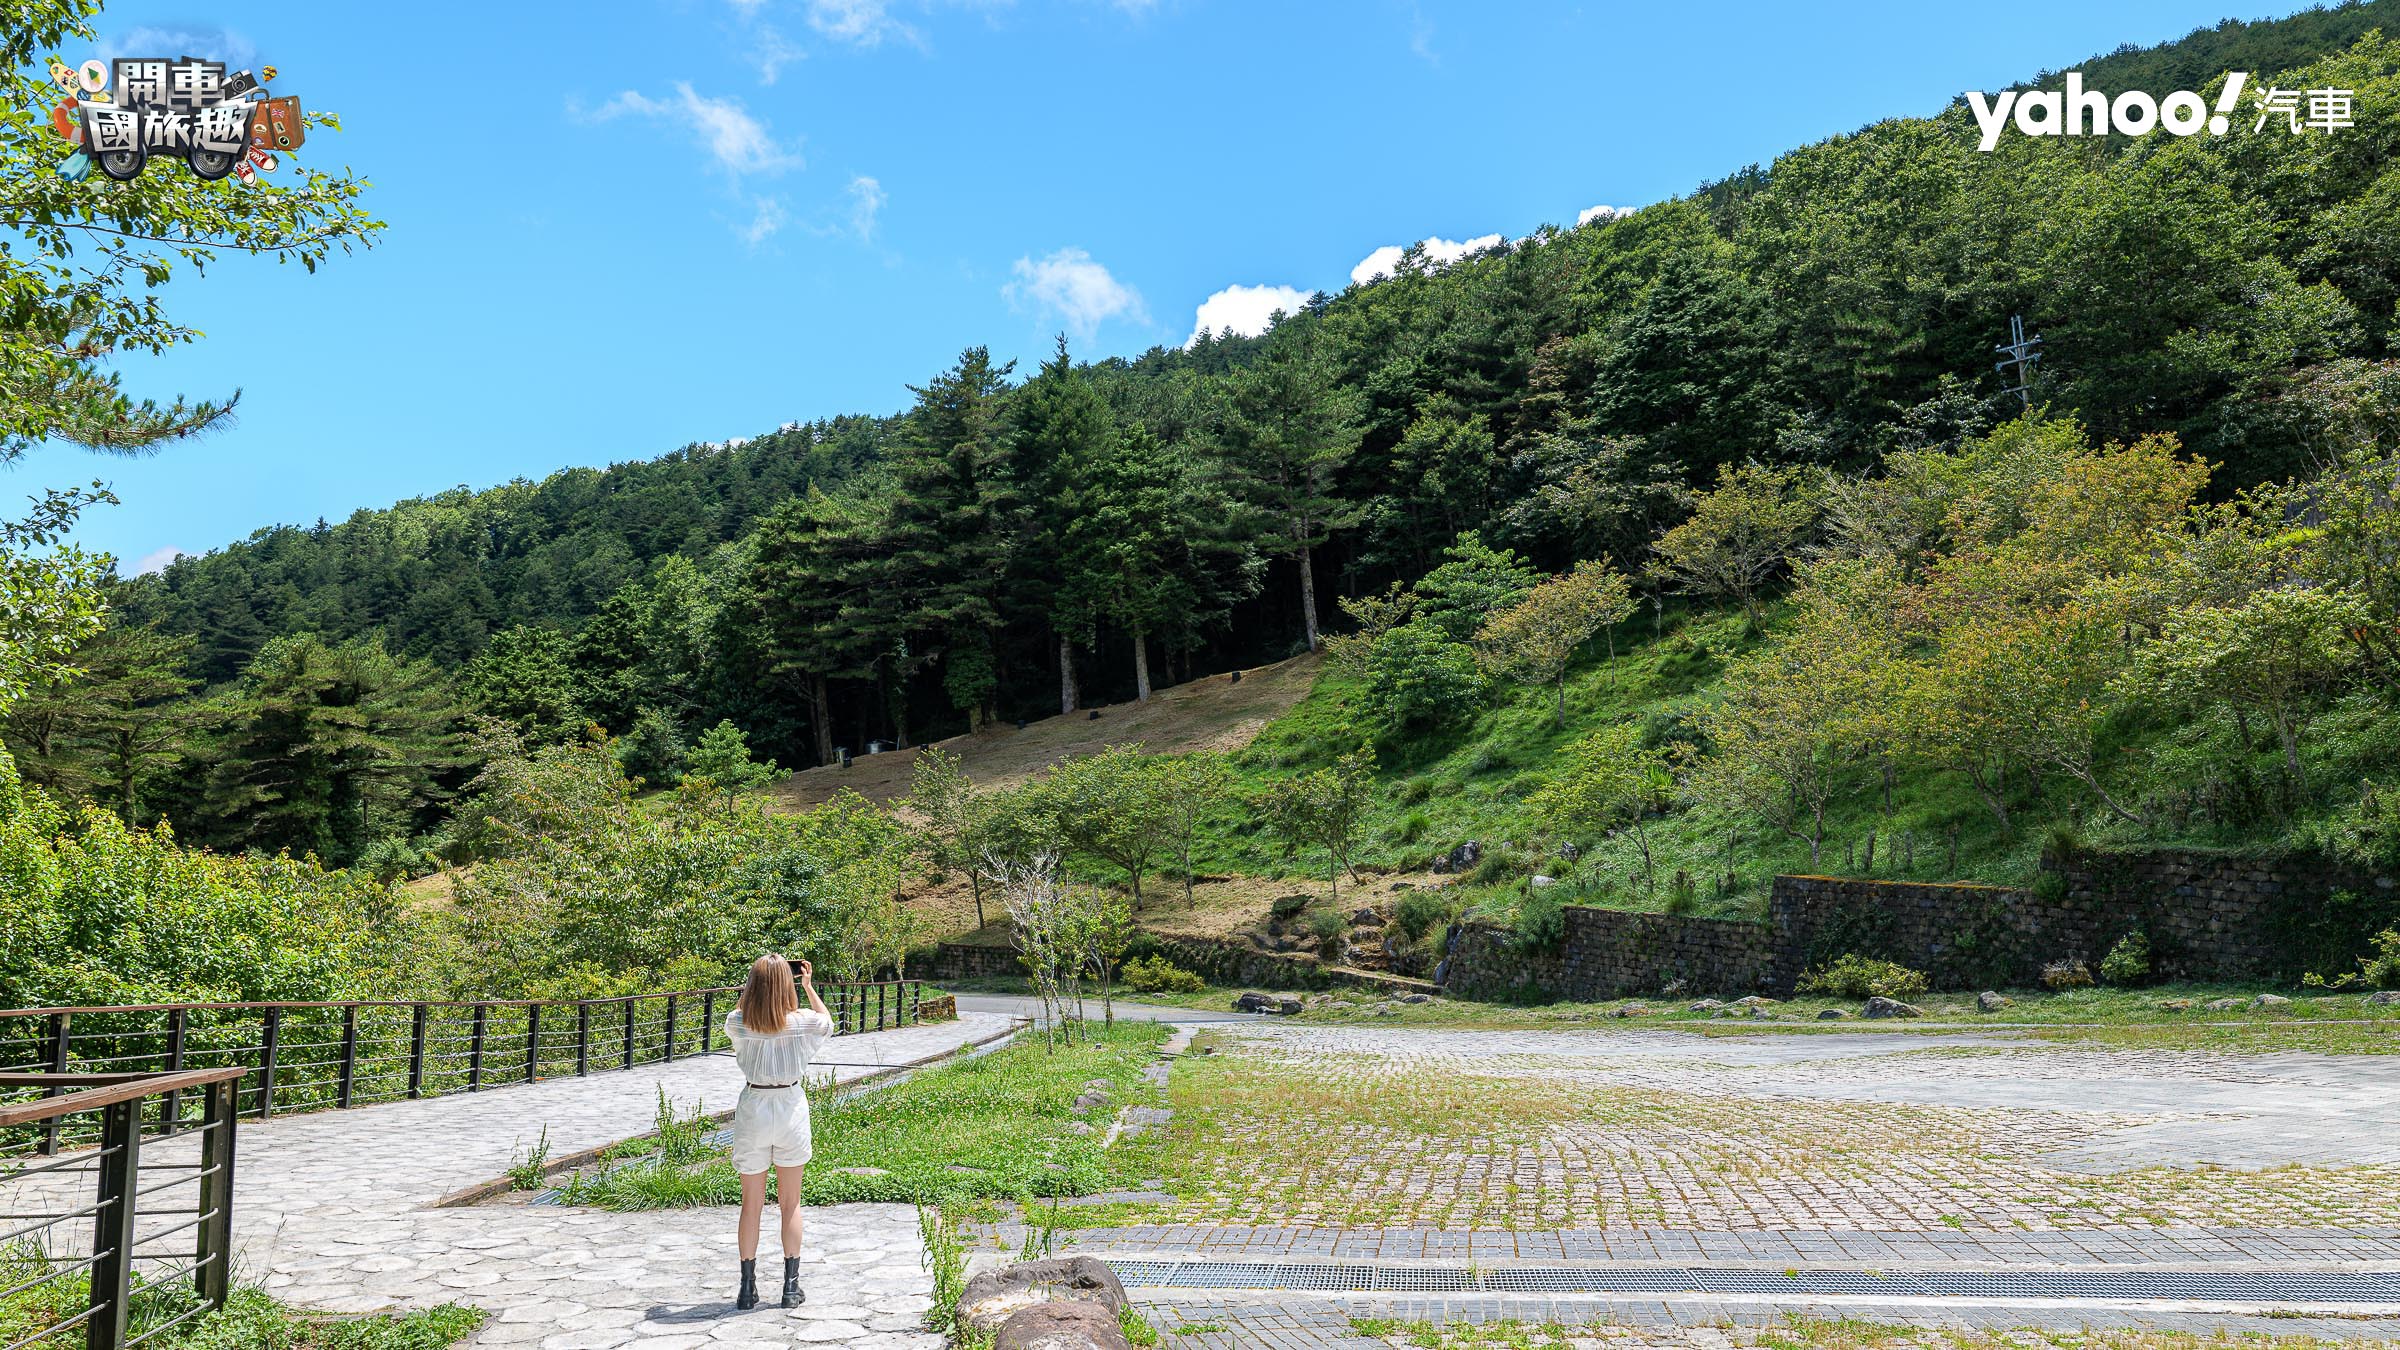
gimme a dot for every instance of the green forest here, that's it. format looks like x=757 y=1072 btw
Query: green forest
x=1705 y=539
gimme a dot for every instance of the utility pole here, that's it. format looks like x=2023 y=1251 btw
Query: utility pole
x=2017 y=362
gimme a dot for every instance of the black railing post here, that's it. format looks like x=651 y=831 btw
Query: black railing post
x=670 y=1028
x=629 y=1032
x=475 y=1049
x=119 y=1165
x=416 y=1053
x=212 y=1270
x=175 y=1039
x=349 y=1082
x=882 y=993
x=583 y=1038
x=533 y=1041
x=916 y=999
x=58 y=1066
x=268 y=1046
x=708 y=1021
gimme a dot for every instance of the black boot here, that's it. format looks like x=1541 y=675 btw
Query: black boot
x=748 y=1298
x=792 y=1297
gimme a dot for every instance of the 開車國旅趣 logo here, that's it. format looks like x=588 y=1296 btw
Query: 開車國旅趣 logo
x=119 y=115
x=2078 y=111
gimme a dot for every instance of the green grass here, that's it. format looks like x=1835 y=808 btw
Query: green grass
x=992 y=1126
x=250 y=1320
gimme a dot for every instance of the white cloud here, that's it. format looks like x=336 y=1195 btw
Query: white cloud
x=862 y=23
x=866 y=199
x=1591 y=213
x=1385 y=261
x=1071 y=286
x=1246 y=310
x=156 y=560
x=738 y=142
x=205 y=41
x=766 y=222
x=772 y=53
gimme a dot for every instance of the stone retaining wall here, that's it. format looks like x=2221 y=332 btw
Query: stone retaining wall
x=1223 y=963
x=1609 y=953
x=2208 y=917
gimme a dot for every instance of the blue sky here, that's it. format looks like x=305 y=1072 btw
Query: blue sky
x=620 y=227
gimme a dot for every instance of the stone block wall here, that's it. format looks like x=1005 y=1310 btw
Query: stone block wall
x=1609 y=953
x=2208 y=917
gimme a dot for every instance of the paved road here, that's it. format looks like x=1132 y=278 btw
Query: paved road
x=331 y=1212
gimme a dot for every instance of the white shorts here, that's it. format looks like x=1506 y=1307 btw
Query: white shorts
x=770 y=1129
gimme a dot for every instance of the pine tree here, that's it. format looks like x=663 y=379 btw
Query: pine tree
x=1286 y=431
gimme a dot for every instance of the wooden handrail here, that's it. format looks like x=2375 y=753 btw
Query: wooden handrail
x=117 y=1087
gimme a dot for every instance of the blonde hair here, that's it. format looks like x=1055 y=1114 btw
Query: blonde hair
x=769 y=998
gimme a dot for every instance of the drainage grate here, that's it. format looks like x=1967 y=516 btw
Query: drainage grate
x=2261 y=1287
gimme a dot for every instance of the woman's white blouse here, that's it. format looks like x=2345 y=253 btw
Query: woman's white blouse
x=776 y=1057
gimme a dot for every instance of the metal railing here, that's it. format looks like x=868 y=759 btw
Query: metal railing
x=310 y=1056
x=150 y=1236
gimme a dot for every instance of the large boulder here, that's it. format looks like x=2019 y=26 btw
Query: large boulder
x=1879 y=1006
x=1061 y=1326
x=1989 y=1001
x=2384 y=999
x=994 y=1296
x=1255 y=1002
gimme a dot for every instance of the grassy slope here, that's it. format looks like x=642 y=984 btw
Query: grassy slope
x=1471 y=781
x=1211 y=713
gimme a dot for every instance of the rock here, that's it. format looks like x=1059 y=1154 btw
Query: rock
x=1633 y=1010
x=1569 y=852
x=1539 y=880
x=2269 y=1001
x=1879 y=1006
x=1705 y=1005
x=1061 y=1326
x=2175 y=1005
x=1459 y=859
x=992 y=1297
x=1416 y=998
x=1341 y=1003
x=2221 y=1005
x=1833 y=1015
x=1078 y=1127
x=2383 y=1000
x=1367 y=918
x=1255 y=1002
x=1989 y=1001
x=1755 y=1001
x=1399 y=886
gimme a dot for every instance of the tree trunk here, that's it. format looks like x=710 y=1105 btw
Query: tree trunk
x=1558 y=716
x=1991 y=799
x=1308 y=597
x=1141 y=667
x=1069 y=697
x=820 y=712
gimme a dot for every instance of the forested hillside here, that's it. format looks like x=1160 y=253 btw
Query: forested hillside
x=1020 y=541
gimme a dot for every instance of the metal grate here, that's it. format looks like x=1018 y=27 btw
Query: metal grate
x=2263 y=1287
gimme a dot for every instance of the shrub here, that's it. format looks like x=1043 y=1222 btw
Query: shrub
x=1414 y=827
x=1683 y=896
x=1420 y=912
x=1158 y=975
x=2070 y=973
x=1855 y=976
x=2378 y=969
x=1327 y=924
x=1541 y=923
x=2050 y=886
x=2129 y=961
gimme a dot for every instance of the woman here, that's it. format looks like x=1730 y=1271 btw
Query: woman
x=773 y=1042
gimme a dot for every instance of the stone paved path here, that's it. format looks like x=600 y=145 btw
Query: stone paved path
x=331 y=1211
